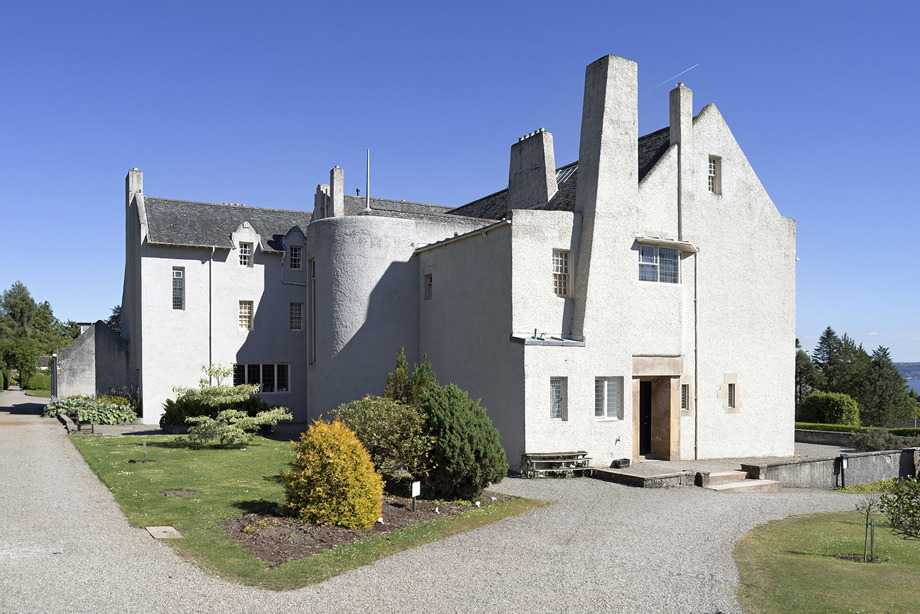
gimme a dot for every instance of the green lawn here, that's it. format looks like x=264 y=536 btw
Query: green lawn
x=38 y=393
x=233 y=482
x=792 y=565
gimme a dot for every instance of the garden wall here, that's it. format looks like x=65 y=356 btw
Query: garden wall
x=830 y=472
x=824 y=438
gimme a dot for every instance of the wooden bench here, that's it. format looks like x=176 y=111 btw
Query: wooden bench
x=536 y=464
x=73 y=426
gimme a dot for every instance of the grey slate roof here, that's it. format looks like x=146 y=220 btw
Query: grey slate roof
x=355 y=205
x=494 y=206
x=182 y=222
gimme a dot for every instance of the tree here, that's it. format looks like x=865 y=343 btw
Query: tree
x=805 y=376
x=826 y=351
x=49 y=333
x=114 y=321
x=19 y=308
x=888 y=401
x=20 y=353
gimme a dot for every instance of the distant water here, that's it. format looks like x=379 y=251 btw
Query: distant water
x=915 y=384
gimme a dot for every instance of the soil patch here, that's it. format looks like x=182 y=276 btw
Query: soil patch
x=276 y=539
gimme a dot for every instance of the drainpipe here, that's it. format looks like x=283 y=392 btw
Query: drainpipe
x=211 y=310
x=696 y=355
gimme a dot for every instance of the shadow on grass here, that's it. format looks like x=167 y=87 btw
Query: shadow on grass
x=258 y=506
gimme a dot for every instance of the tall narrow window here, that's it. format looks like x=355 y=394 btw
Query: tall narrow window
x=245 y=254
x=560 y=272
x=684 y=397
x=178 y=287
x=608 y=397
x=246 y=315
x=557 y=407
x=731 y=396
x=295 y=258
x=296 y=316
x=281 y=378
x=428 y=287
x=715 y=174
x=268 y=378
x=312 y=310
x=659 y=264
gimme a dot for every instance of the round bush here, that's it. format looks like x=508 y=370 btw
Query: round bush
x=467 y=452
x=828 y=408
x=332 y=480
x=392 y=431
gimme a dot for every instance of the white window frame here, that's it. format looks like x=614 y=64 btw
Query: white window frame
x=178 y=289
x=246 y=315
x=295 y=257
x=272 y=378
x=558 y=398
x=296 y=316
x=651 y=264
x=246 y=251
x=714 y=175
x=561 y=258
x=608 y=398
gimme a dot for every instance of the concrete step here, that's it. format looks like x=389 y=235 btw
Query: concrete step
x=721 y=477
x=746 y=486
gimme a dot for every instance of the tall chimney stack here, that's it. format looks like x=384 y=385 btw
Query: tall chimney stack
x=532 y=175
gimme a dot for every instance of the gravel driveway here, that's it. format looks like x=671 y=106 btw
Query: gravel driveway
x=65 y=546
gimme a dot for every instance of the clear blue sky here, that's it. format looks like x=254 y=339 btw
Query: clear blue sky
x=254 y=103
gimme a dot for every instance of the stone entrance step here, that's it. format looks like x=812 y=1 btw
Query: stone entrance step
x=721 y=477
x=745 y=486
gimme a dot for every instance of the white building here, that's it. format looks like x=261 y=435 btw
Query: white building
x=638 y=301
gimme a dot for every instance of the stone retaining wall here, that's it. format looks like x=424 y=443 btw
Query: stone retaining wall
x=844 y=470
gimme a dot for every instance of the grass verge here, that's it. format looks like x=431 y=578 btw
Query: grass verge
x=38 y=393
x=232 y=482
x=792 y=565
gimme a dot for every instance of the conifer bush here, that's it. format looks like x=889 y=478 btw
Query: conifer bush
x=332 y=479
x=467 y=453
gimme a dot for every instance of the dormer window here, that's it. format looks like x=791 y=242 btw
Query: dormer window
x=245 y=254
x=295 y=257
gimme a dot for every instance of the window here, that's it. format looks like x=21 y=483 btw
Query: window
x=246 y=315
x=557 y=407
x=428 y=287
x=296 y=316
x=178 y=287
x=715 y=174
x=270 y=377
x=731 y=396
x=608 y=397
x=560 y=272
x=295 y=257
x=245 y=254
x=658 y=264
x=684 y=397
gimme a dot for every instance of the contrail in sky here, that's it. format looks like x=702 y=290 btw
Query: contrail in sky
x=671 y=79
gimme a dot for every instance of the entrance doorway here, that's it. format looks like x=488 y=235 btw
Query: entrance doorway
x=645 y=418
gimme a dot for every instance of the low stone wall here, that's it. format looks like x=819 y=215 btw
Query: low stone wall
x=833 y=472
x=824 y=438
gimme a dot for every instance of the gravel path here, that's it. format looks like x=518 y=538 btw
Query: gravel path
x=65 y=546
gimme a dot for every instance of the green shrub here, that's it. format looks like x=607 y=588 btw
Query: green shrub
x=902 y=506
x=7 y=379
x=906 y=432
x=209 y=400
x=2 y=380
x=391 y=431
x=90 y=411
x=332 y=480
x=466 y=453
x=39 y=381
x=829 y=408
x=837 y=428
x=232 y=428
x=877 y=440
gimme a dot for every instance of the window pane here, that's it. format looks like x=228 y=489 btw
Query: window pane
x=282 y=378
x=556 y=398
x=598 y=398
x=296 y=316
x=648 y=272
x=647 y=254
x=668 y=261
x=178 y=288
x=253 y=373
x=268 y=378
x=613 y=397
x=239 y=374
